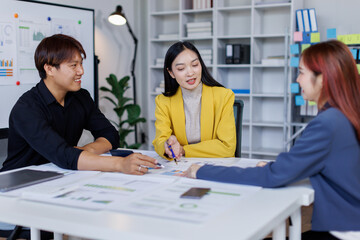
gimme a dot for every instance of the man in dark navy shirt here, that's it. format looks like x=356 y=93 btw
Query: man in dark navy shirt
x=46 y=123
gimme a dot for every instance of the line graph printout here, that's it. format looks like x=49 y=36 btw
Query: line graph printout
x=30 y=33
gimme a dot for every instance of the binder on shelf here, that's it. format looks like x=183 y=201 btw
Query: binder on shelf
x=202 y=4
x=306 y=20
x=299 y=20
x=313 y=22
x=354 y=52
x=236 y=53
x=245 y=54
x=229 y=53
x=240 y=91
x=196 y=4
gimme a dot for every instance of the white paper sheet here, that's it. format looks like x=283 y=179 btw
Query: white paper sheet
x=101 y=191
x=165 y=202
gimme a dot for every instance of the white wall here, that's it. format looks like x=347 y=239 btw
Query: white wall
x=341 y=15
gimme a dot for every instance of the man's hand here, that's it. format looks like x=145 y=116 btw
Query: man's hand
x=136 y=164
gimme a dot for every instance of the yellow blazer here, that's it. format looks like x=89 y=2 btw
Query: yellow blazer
x=217 y=123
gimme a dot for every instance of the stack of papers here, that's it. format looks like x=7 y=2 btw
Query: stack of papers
x=155 y=194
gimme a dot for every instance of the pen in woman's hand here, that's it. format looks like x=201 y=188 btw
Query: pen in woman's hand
x=173 y=154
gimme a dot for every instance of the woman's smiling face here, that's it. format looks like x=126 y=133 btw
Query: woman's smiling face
x=186 y=69
x=311 y=85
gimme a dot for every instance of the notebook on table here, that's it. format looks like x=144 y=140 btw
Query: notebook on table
x=25 y=177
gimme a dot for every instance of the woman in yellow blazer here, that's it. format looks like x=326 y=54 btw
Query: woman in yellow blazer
x=195 y=119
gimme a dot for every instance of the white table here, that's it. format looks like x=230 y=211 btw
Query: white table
x=256 y=216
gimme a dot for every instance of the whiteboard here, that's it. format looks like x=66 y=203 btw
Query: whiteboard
x=23 y=25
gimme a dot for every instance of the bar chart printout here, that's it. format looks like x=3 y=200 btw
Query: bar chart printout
x=7 y=52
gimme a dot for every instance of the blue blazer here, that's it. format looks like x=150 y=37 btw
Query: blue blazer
x=329 y=153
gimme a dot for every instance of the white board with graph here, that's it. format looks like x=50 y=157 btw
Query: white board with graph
x=23 y=24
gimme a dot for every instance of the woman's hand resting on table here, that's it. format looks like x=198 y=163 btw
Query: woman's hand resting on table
x=191 y=171
x=261 y=164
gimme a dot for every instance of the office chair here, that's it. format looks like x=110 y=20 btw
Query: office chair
x=238 y=112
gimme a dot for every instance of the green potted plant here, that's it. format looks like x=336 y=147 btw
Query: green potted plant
x=122 y=104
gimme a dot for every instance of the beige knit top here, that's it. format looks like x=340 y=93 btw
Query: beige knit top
x=192 y=108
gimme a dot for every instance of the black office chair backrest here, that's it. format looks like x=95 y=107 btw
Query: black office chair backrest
x=238 y=112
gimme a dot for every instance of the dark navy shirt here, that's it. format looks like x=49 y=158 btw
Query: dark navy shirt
x=42 y=131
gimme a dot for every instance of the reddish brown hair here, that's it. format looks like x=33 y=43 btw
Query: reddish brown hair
x=341 y=83
x=55 y=50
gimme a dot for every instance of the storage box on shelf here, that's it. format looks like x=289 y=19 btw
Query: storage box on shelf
x=261 y=83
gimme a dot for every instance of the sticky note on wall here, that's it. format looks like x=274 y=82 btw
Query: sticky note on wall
x=350 y=39
x=356 y=38
x=299 y=100
x=341 y=38
x=294 y=61
x=315 y=37
x=294 y=87
x=304 y=46
x=294 y=49
x=311 y=103
x=331 y=33
x=298 y=36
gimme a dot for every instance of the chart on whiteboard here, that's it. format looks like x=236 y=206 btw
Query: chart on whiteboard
x=19 y=39
x=7 y=52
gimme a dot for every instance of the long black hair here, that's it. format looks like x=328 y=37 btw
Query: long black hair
x=171 y=84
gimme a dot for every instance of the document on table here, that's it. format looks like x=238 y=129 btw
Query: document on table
x=165 y=202
x=155 y=194
x=102 y=191
x=173 y=169
x=150 y=195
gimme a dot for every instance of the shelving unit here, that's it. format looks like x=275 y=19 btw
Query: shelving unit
x=267 y=26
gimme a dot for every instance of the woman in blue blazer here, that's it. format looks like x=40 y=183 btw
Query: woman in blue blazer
x=328 y=152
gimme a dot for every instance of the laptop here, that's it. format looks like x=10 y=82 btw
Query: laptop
x=25 y=177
